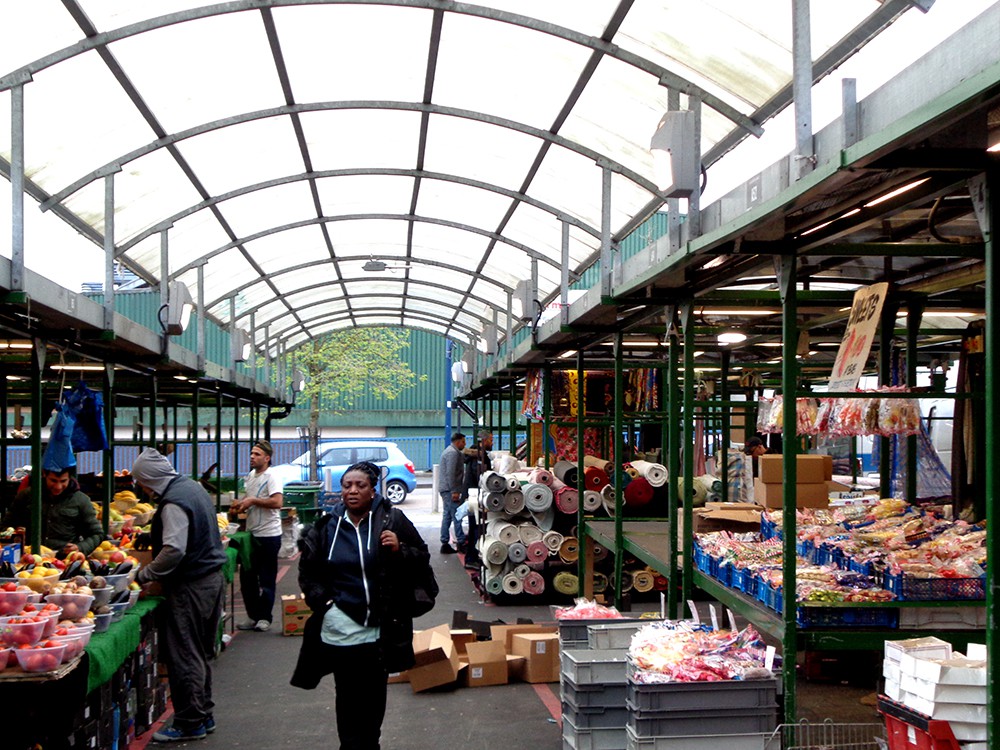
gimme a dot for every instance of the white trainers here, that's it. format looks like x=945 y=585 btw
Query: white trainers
x=262 y=626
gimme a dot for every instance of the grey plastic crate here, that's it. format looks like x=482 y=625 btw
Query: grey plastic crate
x=699 y=722
x=688 y=696
x=596 y=717
x=593 y=696
x=602 y=738
x=709 y=742
x=602 y=667
x=613 y=634
x=568 y=645
x=576 y=630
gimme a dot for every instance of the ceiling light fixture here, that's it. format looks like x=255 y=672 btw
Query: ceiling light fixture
x=893 y=193
x=82 y=366
x=180 y=305
x=731 y=337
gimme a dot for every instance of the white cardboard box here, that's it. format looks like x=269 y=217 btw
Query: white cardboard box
x=927 y=648
x=965 y=731
x=954 y=671
x=932 y=691
x=890 y=670
x=893 y=690
x=945 y=711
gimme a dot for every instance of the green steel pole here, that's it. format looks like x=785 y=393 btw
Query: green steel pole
x=546 y=412
x=886 y=330
x=512 y=444
x=674 y=465
x=992 y=336
x=722 y=463
x=108 y=459
x=620 y=458
x=581 y=562
x=236 y=447
x=218 y=449
x=195 y=468
x=688 y=446
x=38 y=367
x=915 y=312
x=789 y=450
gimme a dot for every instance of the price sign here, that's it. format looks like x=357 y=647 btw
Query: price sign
x=862 y=325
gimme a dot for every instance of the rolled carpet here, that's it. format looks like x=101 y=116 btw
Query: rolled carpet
x=566 y=472
x=533 y=583
x=569 y=550
x=537 y=497
x=537 y=552
x=494 y=482
x=494 y=585
x=595 y=477
x=655 y=474
x=638 y=493
x=553 y=540
x=494 y=501
x=512 y=584
x=592 y=500
x=567 y=500
x=642 y=581
x=513 y=502
x=566 y=583
x=522 y=570
x=601 y=463
x=529 y=533
x=540 y=476
x=517 y=553
x=494 y=551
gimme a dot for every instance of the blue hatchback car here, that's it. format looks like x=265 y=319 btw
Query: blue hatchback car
x=335 y=456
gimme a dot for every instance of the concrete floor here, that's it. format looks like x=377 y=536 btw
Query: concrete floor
x=256 y=707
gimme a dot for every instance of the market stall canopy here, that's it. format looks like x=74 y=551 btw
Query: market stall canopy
x=310 y=166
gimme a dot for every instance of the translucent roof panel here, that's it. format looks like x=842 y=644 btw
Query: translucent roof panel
x=285 y=146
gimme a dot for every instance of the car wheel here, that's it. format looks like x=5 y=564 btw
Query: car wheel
x=395 y=492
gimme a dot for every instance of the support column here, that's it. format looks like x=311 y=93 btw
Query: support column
x=546 y=413
x=915 y=312
x=887 y=326
x=17 y=189
x=109 y=252
x=673 y=459
x=722 y=462
x=802 y=88
x=620 y=458
x=108 y=458
x=607 y=258
x=37 y=369
x=581 y=563
x=689 y=447
x=790 y=449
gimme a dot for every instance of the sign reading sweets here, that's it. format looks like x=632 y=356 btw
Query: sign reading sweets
x=852 y=355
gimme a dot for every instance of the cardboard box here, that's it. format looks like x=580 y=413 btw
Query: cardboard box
x=487 y=664
x=436 y=659
x=11 y=553
x=806 y=495
x=541 y=656
x=461 y=639
x=294 y=613
x=929 y=647
x=735 y=517
x=515 y=667
x=809 y=468
x=506 y=633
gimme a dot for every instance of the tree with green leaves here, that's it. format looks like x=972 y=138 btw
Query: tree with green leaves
x=347 y=363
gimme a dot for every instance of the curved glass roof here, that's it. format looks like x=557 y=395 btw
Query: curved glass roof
x=284 y=145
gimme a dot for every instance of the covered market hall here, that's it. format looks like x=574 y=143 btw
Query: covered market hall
x=653 y=234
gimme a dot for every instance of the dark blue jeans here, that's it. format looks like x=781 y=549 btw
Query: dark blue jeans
x=448 y=509
x=258 y=584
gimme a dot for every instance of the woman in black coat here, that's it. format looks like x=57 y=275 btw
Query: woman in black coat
x=357 y=573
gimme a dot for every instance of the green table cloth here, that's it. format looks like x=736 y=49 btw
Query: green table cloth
x=229 y=567
x=241 y=541
x=108 y=650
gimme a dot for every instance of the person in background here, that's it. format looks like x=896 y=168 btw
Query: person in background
x=69 y=522
x=477 y=462
x=187 y=563
x=262 y=503
x=755 y=448
x=354 y=573
x=451 y=485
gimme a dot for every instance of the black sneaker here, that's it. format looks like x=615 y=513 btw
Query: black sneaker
x=447 y=549
x=473 y=563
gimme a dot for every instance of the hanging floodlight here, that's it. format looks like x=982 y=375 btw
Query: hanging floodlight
x=676 y=155
x=298 y=380
x=180 y=305
x=732 y=337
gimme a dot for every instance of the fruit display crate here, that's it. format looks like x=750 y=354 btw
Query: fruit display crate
x=691 y=696
x=910 y=588
x=859 y=617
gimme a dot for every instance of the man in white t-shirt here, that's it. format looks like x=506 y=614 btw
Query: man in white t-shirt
x=262 y=502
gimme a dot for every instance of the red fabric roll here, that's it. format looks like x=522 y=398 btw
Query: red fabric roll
x=594 y=478
x=537 y=552
x=541 y=476
x=567 y=500
x=533 y=583
x=638 y=492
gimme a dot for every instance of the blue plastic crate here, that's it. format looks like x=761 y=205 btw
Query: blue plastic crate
x=909 y=588
x=702 y=560
x=768 y=529
x=805 y=549
x=761 y=592
x=723 y=572
x=865 y=568
x=773 y=598
x=750 y=584
x=847 y=617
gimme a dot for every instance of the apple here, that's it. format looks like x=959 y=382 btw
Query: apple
x=59 y=564
x=75 y=555
x=116 y=557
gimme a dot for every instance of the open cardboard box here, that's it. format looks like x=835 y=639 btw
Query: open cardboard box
x=436 y=659
x=736 y=517
x=486 y=664
x=541 y=656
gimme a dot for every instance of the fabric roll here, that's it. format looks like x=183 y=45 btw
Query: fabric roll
x=638 y=493
x=494 y=501
x=660 y=583
x=631 y=471
x=566 y=472
x=600 y=583
x=522 y=570
x=533 y=583
x=592 y=500
x=567 y=500
x=494 y=551
x=513 y=483
x=517 y=553
x=513 y=501
x=505 y=531
x=494 y=585
x=553 y=540
x=595 y=477
x=540 y=476
x=528 y=533
x=556 y=485
x=566 y=583
x=569 y=550
x=655 y=474
x=642 y=581
x=494 y=482
x=512 y=584
x=601 y=463
x=537 y=552
x=626 y=581
x=608 y=498
x=537 y=498
x=600 y=553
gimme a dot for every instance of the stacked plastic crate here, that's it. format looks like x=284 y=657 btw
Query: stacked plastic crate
x=593 y=683
x=730 y=714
